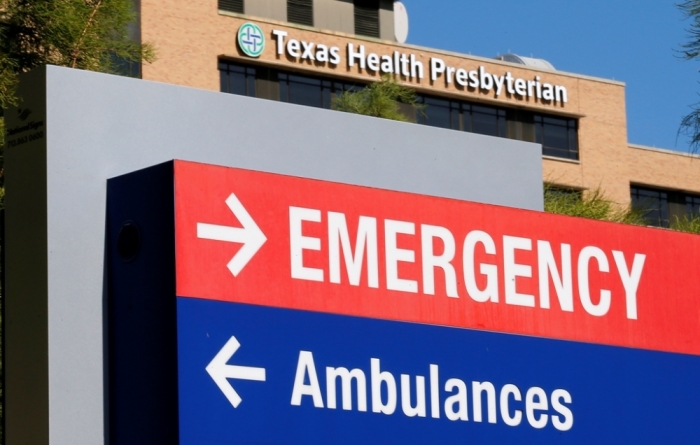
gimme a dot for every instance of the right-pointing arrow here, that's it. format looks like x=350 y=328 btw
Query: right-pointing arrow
x=250 y=235
x=220 y=371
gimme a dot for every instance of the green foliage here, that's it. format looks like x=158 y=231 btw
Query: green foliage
x=85 y=34
x=690 y=125
x=378 y=99
x=8 y=84
x=8 y=81
x=2 y=143
x=592 y=205
x=691 y=10
x=689 y=224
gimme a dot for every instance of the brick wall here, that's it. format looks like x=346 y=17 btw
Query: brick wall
x=191 y=36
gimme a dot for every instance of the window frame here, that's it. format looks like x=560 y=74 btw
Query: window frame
x=674 y=204
x=457 y=114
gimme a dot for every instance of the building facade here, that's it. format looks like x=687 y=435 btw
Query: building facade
x=308 y=51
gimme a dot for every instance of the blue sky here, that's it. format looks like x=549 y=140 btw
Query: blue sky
x=634 y=41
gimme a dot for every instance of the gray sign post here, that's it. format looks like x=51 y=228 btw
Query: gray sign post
x=75 y=129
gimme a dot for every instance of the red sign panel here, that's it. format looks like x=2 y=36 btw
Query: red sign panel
x=274 y=240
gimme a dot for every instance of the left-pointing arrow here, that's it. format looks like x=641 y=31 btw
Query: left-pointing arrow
x=250 y=235
x=220 y=371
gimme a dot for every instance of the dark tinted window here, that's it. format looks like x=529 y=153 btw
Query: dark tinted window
x=302 y=90
x=439 y=113
x=237 y=79
x=663 y=207
x=654 y=203
x=457 y=115
x=367 y=17
x=301 y=12
x=487 y=120
x=558 y=136
x=272 y=84
x=310 y=91
x=231 y=5
x=692 y=205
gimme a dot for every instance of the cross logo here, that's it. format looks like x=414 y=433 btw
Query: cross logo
x=251 y=39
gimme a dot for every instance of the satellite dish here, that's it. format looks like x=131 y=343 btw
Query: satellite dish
x=400 y=22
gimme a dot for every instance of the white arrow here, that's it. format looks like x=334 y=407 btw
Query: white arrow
x=219 y=371
x=250 y=235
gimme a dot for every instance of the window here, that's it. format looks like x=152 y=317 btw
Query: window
x=310 y=91
x=237 y=79
x=366 y=18
x=300 y=12
x=662 y=207
x=692 y=205
x=231 y=6
x=654 y=204
x=463 y=116
x=288 y=87
x=558 y=136
x=440 y=113
x=486 y=120
x=302 y=90
x=126 y=68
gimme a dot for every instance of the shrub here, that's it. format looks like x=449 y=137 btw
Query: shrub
x=378 y=99
x=592 y=205
x=689 y=224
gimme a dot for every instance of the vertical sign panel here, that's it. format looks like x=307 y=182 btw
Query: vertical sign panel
x=347 y=380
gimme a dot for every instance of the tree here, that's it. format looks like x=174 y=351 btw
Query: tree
x=378 y=99
x=690 y=125
x=8 y=83
x=85 y=34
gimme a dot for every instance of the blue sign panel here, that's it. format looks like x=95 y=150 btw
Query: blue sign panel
x=255 y=375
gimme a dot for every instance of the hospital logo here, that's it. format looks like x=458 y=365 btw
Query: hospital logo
x=251 y=39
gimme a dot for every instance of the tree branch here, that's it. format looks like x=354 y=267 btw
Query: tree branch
x=76 y=53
